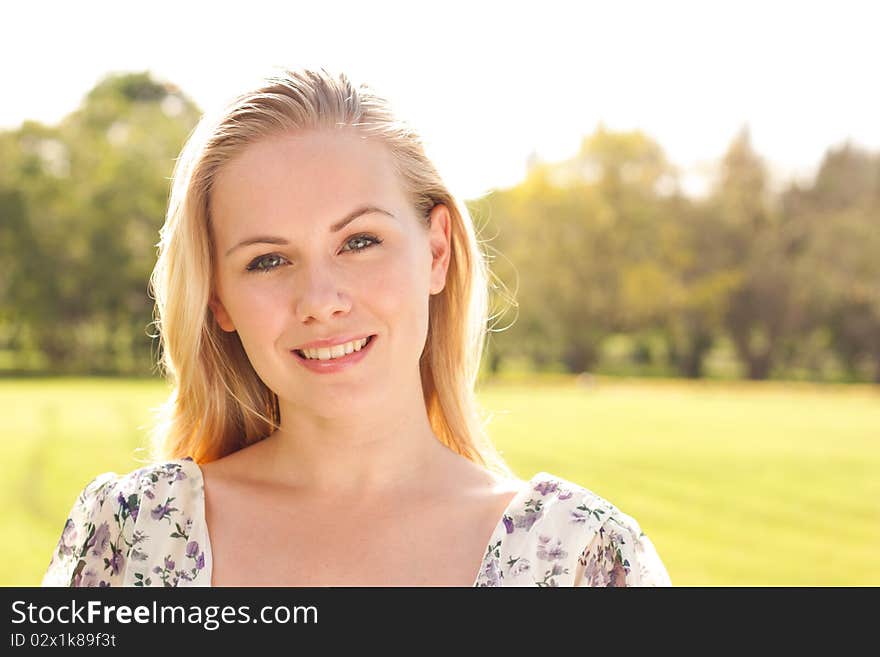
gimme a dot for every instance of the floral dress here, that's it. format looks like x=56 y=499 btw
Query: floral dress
x=147 y=528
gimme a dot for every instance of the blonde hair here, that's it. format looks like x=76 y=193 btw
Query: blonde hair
x=218 y=404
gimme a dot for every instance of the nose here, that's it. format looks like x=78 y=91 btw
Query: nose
x=319 y=294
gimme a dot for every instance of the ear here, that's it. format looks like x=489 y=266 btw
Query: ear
x=221 y=315
x=440 y=241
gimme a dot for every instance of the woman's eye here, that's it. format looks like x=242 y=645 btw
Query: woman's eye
x=370 y=240
x=255 y=265
x=264 y=263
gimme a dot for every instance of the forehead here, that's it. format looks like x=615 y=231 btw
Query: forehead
x=310 y=176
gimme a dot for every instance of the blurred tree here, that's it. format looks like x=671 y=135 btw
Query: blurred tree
x=94 y=190
x=15 y=237
x=527 y=230
x=841 y=213
x=702 y=280
x=579 y=242
x=766 y=302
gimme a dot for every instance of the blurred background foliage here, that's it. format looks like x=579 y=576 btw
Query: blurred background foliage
x=81 y=205
x=602 y=264
x=744 y=282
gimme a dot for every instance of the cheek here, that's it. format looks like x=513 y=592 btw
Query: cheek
x=400 y=285
x=254 y=308
x=400 y=294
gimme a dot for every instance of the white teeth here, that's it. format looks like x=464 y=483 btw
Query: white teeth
x=328 y=353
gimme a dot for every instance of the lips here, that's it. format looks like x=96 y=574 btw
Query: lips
x=301 y=353
x=335 y=365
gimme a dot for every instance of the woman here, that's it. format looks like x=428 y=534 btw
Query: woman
x=321 y=299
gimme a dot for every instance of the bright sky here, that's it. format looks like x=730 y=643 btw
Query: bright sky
x=487 y=82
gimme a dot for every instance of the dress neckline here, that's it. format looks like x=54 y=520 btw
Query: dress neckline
x=499 y=530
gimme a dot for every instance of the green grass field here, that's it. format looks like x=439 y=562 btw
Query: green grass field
x=736 y=483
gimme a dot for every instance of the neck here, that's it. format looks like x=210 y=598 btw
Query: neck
x=353 y=454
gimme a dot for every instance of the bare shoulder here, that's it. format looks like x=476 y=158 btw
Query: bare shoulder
x=474 y=485
x=241 y=465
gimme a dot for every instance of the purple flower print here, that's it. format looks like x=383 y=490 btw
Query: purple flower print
x=100 y=539
x=520 y=567
x=555 y=553
x=617 y=576
x=192 y=549
x=163 y=510
x=593 y=574
x=578 y=516
x=526 y=520
x=150 y=494
x=582 y=513
x=546 y=487
x=200 y=563
x=169 y=564
x=68 y=538
x=89 y=578
x=508 y=524
x=131 y=509
x=180 y=475
x=117 y=562
x=492 y=573
x=157 y=570
x=564 y=495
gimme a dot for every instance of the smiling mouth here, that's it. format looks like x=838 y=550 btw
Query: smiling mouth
x=302 y=355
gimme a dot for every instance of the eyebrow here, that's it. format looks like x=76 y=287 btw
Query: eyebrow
x=335 y=228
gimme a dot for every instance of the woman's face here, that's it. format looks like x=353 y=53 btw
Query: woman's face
x=307 y=277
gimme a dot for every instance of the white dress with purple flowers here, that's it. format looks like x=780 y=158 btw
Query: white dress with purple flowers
x=147 y=528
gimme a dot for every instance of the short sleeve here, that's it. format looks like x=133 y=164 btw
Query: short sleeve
x=621 y=554
x=92 y=548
